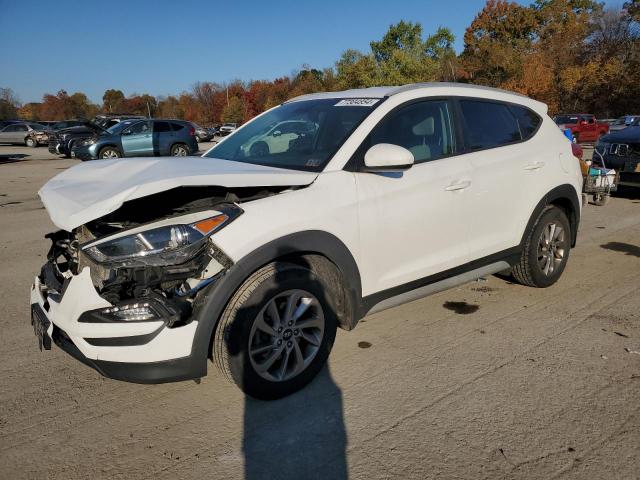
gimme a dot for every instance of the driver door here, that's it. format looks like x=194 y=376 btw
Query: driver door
x=414 y=224
x=137 y=140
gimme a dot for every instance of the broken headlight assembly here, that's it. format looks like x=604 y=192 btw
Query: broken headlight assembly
x=159 y=245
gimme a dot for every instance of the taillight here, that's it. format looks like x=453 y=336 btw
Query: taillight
x=192 y=131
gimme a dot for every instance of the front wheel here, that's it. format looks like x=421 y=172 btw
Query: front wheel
x=109 y=152
x=31 y=142
x=276 y=332
x=546 y=250
x=179 y=150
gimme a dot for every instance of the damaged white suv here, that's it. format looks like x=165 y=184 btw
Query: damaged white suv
x=318 y=212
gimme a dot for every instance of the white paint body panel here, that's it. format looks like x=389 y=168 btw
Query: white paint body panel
x=399 y=227
x=81 y=296
x=93 y=189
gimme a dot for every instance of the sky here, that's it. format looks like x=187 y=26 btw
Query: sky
x=163 y=47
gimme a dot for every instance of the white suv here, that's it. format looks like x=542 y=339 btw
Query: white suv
x=253 y=258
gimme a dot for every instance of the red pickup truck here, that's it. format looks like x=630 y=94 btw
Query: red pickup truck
x=584 y=127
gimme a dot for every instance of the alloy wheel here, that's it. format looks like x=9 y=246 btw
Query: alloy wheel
x=551 y=248
x=110 y=154
x=179 y=151
x=286 y=335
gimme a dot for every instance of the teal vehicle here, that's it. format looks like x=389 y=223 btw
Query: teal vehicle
x=140 y=138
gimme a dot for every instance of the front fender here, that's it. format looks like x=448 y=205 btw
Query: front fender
x=212 y=300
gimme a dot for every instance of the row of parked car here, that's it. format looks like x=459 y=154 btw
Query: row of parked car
x=585 y=128
x=112 y=136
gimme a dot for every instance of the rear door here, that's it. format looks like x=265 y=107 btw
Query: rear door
x=163 y=138
x=137 y=140
x=15 y=133
x=504 y=173
x=414 y=224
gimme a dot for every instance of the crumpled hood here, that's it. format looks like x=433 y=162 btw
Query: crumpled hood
x=94 y=189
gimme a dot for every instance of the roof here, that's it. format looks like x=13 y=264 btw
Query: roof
x=382 y=92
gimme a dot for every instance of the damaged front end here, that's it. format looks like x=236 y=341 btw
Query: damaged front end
x=149 y=258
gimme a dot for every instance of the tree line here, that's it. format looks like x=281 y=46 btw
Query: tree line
x=574 y=55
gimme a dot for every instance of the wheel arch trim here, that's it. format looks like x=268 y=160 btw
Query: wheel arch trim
x=211 y=301
x=564 y=195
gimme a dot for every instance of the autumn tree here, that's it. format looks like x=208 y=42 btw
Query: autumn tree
x=9 y=104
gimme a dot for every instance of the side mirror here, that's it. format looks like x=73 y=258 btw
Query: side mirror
x=277 y=133
x=386 y=157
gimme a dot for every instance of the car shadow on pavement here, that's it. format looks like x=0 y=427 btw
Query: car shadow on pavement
x=626 y=248
x=298 y=437
x=301 y=436
x=13 y=158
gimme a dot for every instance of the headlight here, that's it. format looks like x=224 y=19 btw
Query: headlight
x=64 y=136
x=89 y=141
x=165 y=245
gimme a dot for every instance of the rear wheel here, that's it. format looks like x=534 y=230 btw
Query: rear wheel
x=276 y=332
x=179 y=150
x=109 y=152
x=546 y=250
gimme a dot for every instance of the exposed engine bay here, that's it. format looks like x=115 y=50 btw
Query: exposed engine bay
x=174 y=279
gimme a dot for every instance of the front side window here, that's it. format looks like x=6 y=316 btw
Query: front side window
x=140 y=128
x=300 y=135
x=488 y=124
x=423 y=128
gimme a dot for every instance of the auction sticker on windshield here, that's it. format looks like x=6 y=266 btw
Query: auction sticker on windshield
x=357 y=102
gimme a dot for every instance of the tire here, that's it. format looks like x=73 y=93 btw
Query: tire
x=600 y=199
x=249 y=315
x=539 y=267
x=109 y=152
x=31 y=142
x=179 y=150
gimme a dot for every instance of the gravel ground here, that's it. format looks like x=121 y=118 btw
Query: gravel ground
x=488 y=380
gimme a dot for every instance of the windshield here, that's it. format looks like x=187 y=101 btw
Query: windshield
x=560 y=119
x=300 y=135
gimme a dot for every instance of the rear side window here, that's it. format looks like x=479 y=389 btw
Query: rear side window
x=160 y=127
x=423 y=128
x=488 y=124
x=528 y=120
x=177 y=126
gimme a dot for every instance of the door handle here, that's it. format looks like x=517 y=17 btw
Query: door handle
x=534 y=166
x=458 y=186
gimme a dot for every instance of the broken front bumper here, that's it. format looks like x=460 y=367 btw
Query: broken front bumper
x=135 y=351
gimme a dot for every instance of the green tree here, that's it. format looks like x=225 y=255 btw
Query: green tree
x=234 y=111
x=112 y=100
x=9 y=104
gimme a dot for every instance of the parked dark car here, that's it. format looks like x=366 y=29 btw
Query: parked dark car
x=621 y=150
x=202 y=134
x=140 y=138
x=623 y=122
x=62 y=141
x=68 y=124
x=108 y=121
x=25 y=133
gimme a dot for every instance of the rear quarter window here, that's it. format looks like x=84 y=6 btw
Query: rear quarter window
x=528 y=121
x=488 y=124
x=161 y=127
x=177 y=126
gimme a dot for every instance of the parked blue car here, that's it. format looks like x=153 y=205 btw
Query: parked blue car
x=140 y=138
